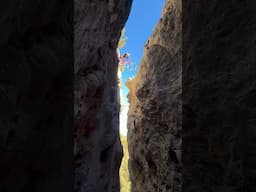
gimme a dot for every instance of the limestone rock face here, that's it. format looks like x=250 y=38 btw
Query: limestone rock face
x=97 y=147
x=154 y=117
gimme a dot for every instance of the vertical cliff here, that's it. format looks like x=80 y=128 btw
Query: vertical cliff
x=97 y=147
x=154 y=117
x=218 y=100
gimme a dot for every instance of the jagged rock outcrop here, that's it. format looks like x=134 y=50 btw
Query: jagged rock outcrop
x=154 y=118
x=97 y=147
x=36 y=119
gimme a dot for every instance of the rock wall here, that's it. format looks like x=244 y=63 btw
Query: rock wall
x=97 y=147
x=154 y=117
x=36 y=120
x=218 y=100
x=218 y=88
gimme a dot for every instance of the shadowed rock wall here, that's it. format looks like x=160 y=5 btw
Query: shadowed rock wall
x=219 y=91
x=154 y=117
x=36 y=102
x=97 y=147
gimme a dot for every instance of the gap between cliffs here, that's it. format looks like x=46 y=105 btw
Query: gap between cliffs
x=148 y=154
x=210 y=58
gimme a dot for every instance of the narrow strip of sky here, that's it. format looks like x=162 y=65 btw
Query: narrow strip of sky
x=143 y=17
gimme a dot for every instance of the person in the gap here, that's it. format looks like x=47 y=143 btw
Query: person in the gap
x=124 y=60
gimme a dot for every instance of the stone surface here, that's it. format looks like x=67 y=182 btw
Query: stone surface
x=97 y=147
x=154 y=117
x=216 y=72
x=219 y=91
x=36 y=101
x=218 y=101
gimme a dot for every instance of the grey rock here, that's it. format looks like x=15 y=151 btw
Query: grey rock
x=97 y=147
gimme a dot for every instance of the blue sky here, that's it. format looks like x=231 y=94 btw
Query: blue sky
x=143 y=17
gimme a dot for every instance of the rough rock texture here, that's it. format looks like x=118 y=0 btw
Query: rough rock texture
x=36 y=101
x=97 y=147
x=154 y=117
x=219 y=91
